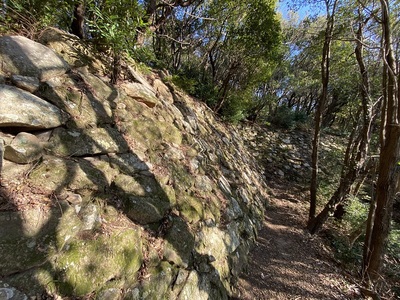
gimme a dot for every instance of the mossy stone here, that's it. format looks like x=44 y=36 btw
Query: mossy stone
x=27 y=238
x=215 y=241
x=87 y=142
x=70 y=94
x=145 y=132
x=144 y=200
x=159 y=285
x=191 y=208
x=195 y=287
x=87 y=264
x=33 y=281
x=73 y=50
x=179 y=243
x=63 y=173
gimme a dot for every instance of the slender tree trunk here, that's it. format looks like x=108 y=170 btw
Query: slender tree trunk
x=354 y=164
x=116 y=67
x=368 y=233
x=325 y=64
x=388 y=173
x=385 y=192
x=223 y=96
x=224 y=88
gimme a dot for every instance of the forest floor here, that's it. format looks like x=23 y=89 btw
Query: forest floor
x=287 y=262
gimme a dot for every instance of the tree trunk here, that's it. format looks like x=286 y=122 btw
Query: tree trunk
x=224 y=88
x=116 y=67
x=326 y=53
x=385 y=192
x=78 y=21
x=325 y=64
x=354 y=164
x=374 y=246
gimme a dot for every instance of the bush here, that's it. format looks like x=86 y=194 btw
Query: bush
x=145 y=55
x=237 y=106
x=186 y=84
x=393 y=254
x=287 y=118
x=29 y=17
x=356 y=212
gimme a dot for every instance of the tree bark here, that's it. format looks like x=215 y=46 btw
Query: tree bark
x=325 y=64
x=78 y=21
x=354 y=164
x=385 y=192
x=388 y=171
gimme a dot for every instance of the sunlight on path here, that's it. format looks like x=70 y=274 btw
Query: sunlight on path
x=287 y=262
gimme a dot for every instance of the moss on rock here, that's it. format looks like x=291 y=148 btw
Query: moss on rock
x=63 y=173
x=159 y=285
x=191 y=208
x=86 y=265
x=87 y=142
x=144 y=199
x=179 y=243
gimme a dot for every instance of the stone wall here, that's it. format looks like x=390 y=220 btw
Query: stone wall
x=132 y=191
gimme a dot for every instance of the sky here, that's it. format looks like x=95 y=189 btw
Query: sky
x=284 y=7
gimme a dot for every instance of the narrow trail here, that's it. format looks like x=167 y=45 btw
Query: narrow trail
x=287 y=262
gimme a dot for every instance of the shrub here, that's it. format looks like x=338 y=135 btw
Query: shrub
x=145 y=55
x=186 y=84
x=287 y=118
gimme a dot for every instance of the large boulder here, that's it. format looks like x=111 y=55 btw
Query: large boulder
x=144 y=200
x=19 y=108
x=27 y=83
x=86 y=98
x=87 y=142
x=22 y=56
x=25 y=148
x=141 y=93
x=72 y=49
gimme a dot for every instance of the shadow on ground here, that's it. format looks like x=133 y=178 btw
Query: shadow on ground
x=287 y=262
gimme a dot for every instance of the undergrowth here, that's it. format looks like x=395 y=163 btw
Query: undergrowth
x=346 y=234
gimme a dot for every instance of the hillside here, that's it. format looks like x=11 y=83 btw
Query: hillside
x=131 y=191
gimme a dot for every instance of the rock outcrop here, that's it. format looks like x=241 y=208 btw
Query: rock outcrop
x=19 y=108
x=133 y=191
x=21 y=56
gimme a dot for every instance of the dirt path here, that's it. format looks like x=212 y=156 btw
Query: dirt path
x=288 y=263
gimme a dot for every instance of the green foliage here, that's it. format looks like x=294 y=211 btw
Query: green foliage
x=351 y=256
x=393 y=250
x=356 y=212
x=114 y=23
x=186 y=84
x=394 y=241
x=146 y=56
x=208 y=92
x=236 y=107
x=287 y=118
x=29 y=17
x=233 y=48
